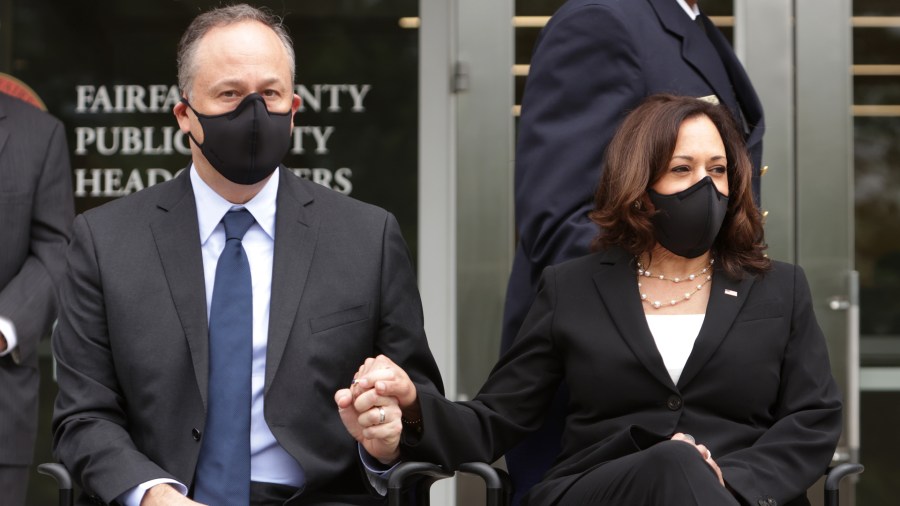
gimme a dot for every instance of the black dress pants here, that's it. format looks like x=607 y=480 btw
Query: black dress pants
x=668 y=473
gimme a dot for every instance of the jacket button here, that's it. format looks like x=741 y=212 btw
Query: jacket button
x=195 y=433
x=674 y=403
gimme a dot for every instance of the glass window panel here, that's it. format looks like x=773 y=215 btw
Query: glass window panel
x=357 y=71
x=876 y=89
x=876 y=37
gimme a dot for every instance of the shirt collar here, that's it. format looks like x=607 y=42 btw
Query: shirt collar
x=693 y=12
x=211 y=207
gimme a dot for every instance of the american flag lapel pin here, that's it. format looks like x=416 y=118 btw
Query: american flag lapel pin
x=730 y=292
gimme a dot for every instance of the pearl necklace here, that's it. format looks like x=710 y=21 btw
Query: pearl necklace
x=646 y=272
x=656 y=304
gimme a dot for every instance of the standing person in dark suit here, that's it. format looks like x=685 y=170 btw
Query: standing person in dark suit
x=594 y=62
x=697 y=372
x=206 y=321
x=36 y=206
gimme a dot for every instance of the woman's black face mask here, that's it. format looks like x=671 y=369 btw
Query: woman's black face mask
x=247 y=144
x=688 y=222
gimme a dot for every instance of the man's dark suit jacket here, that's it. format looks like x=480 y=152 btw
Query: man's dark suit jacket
x=36 y=209
x=593 y=63
x=132 y=340
x=757 y=389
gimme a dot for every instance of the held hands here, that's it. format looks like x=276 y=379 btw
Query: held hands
x=704 y=452
x=388 y=379
x=371 y=408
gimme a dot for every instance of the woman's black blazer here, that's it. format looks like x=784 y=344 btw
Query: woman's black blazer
x=757 y=389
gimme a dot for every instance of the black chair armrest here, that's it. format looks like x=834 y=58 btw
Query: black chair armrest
x=63 y=481
x=406 y=470
x=833 y=480
x=496 y=481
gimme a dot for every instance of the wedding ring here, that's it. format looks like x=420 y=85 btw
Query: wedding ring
x=689 y=438
x=380 y=415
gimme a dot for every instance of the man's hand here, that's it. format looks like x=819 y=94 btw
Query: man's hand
x=374 y=422
x=165 y=495
x=371 y=409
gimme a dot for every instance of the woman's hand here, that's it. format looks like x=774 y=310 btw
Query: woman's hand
x=388 y=380
x=704 y=452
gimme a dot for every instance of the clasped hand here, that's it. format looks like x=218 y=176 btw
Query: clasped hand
x=372 y=407
x=704 y=452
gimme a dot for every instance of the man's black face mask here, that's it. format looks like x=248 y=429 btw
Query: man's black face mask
x=247 y=144
x=688 y=222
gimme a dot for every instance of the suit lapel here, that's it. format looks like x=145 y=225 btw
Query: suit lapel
x=726 y=298
x=296 y=230
x=617 y=283
x=697 y=50
x=177 y=237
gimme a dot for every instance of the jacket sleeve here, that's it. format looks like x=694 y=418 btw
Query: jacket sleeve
x=794 y=452
x=512 y=402
x=400 y=334
x=89 y=420
x=585 y=76
x=29 y=299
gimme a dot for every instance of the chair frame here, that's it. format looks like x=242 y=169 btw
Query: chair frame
x=497 y=482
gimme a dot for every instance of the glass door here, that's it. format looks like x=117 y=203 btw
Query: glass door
x=876 y=175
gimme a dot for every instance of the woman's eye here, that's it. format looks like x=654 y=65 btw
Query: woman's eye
x=680 y=168
x=718 y=169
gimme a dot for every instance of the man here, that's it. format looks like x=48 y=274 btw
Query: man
x=36 y=204
x=592 y=64
x=161 y=397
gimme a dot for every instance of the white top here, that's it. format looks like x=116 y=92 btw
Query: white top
x=693 y=12
x=675 y=335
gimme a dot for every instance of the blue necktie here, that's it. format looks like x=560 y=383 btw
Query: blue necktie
x=223 y=470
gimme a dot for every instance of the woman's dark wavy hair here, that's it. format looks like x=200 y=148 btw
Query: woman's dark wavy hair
x=639 y=155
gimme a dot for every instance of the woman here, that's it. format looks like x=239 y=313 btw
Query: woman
x=696 y=369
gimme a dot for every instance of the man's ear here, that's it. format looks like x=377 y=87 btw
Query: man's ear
x=180 y=110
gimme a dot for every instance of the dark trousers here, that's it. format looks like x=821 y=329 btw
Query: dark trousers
x=270 y=494
x=671 y=472
x=13 y=484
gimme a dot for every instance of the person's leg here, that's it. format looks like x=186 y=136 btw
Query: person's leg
x=671 y=472
x=14 y=484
